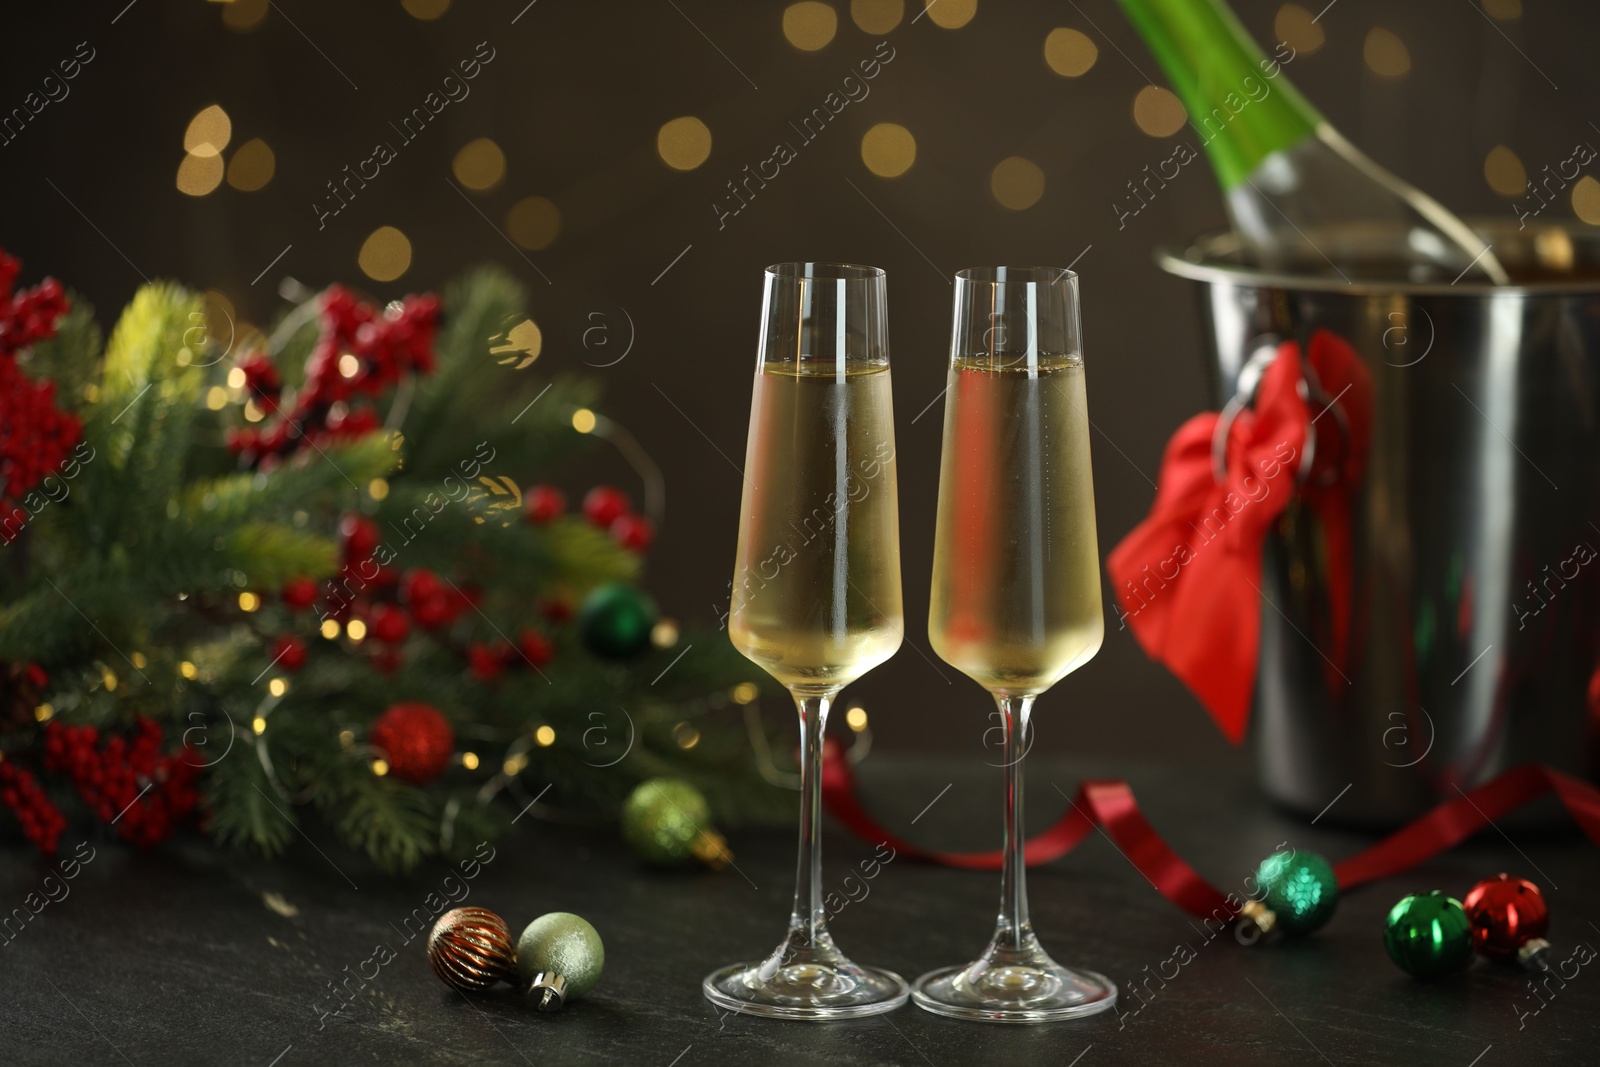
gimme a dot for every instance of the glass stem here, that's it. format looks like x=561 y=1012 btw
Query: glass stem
x=810 y=920
x=1014 y=931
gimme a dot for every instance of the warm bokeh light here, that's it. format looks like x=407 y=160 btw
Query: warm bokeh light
x=378 y=488
x=278 y=686
x=1017 y=183
x=877 y=16
x=252 y=166
x=216 y=398
x=744 y=692
x=479 y=164
x=349 y=366
x=685 y=735
x=1069 y=53
x=856 y=718
x=951 y=14
x=426 y=10
x=249 y=602
x=809 y=25
x=583 y=420
x=1385 y=53
x=1504 y=172
x=469 y=760
x=237 y=378
x=684 y=143
x=533 y=222
x=544 y=736
x=44 y=712
x=199 y=175
x=258 y=725
x=888 y=150
x=330 y=628
x=1295 y=27
x=1158 y=112
x=356 y=629
x=188 y=670
x=243 y=15
x=385 y=254
x=664 y=634
x=380 y=767
x=209 y=132
x=1586 y=200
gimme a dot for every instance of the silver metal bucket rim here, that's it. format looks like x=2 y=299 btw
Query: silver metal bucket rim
x=1206 y=259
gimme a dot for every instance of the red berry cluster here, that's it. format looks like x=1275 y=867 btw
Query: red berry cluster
x=35 y=435
x=129 y=783
x=42 y=822
x=361 y=351
x=604 y=506
x=29 y=315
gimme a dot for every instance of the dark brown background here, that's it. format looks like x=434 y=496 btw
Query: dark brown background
x=575 y=96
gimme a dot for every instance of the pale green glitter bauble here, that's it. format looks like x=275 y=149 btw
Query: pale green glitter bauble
x=565 y=944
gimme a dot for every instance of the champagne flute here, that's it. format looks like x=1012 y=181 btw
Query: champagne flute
x=1016 y=584
x=816 y=585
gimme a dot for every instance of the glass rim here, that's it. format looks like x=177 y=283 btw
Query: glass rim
x=987 y=275
x=813 y=270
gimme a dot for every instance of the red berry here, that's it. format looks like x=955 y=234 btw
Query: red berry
x=633 y=532
x=418 y=585
x=389 y=624
x=299 y=593
x=555 y=608
x=535 y=647
x=289 y=653
x=360 y=536
x=487 y=661
x=604 y=504
x=543 y=503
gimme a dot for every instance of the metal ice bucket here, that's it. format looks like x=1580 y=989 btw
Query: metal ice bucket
x=1474 y=620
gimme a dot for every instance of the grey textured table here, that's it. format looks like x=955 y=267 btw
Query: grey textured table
x=192 y=955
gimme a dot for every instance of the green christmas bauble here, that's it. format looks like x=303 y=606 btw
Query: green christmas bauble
x=562 y=945
x=1301 y=890
x=615 y=621
x=1428 y=935
x=667 y=821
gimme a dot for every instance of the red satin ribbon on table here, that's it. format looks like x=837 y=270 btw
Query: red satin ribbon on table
x=1111 y=806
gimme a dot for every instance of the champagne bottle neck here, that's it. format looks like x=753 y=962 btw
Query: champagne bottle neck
x=1240 y=105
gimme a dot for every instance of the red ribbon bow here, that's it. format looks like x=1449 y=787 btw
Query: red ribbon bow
x=1188 y=578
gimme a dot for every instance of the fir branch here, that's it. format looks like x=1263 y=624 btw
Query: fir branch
x=245 y=811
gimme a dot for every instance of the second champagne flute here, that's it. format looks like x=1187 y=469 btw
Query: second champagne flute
x=1016 y=584
x=816 y=586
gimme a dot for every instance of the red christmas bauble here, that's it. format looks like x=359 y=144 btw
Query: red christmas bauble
x=535 y=647
x=389 y=624
x=544 y=502
x=633 y=532
x=416 y=740
x=289 y=653
x=1506 y=913
x=487 y=661
x=360 y=536
x=299 y=593
x=605 y=504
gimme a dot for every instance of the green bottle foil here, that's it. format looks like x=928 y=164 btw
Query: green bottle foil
x=1239 y=102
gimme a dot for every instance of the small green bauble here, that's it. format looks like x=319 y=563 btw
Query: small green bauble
x=562 y=945
x=667 y=821
x=1301 y=890
x=1428 y=935
x=615 y=621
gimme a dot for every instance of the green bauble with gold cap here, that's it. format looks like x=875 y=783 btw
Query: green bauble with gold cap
x=667 y=821
x=1301 y=891
x=615 y=621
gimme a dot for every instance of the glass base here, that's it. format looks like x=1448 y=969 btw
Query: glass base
x=1014 y=986
x=805 y=982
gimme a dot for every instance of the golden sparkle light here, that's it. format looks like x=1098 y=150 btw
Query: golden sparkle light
x=330 y=629
x=378 y=488
x=877 y=16
x=385 y=254
x=249 y=602
x=533 y=222
x=583 y=420
x=809 y=25
x=1297 y=28
x=188 y=670
x=258 y=724
x=480 y=164
x=950 y=14
x=684 y=143
x=209 y=132
x=380 y=767
x=1017 y=183
x=1070 y=53
x=1158 y=112
x=856 y=718
x=252 y=166
x=744 y=692
x=1504 y=172
x=888 y=150
x=685 y=735
x=544 y=736
x=469 y=760
x=356 y=629
x=43 y=712
x=1385 y=53
x=664 y=634
x=1586 y=200
x=199 y=175
x=277 y=687
x=236 y=378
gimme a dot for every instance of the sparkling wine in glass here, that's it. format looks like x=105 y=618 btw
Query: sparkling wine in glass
x=816 y=585
x=1016 y=584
